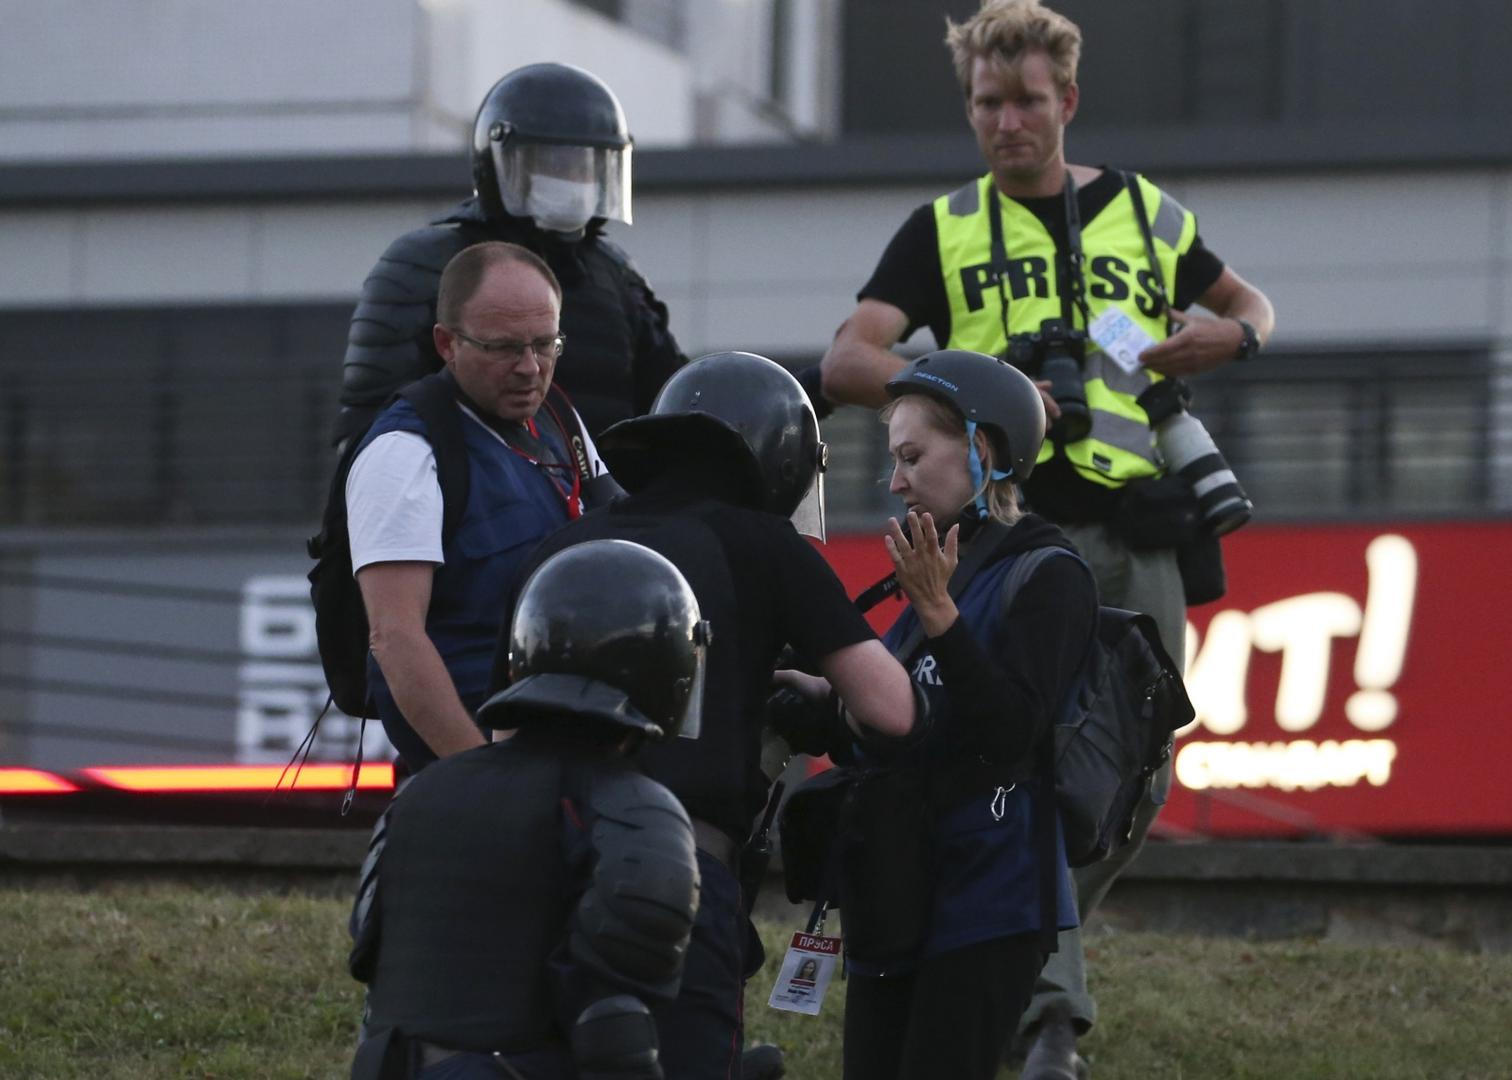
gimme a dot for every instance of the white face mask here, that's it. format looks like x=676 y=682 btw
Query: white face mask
x=563 y=206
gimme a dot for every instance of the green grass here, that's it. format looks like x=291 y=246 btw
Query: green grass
x=137 y=981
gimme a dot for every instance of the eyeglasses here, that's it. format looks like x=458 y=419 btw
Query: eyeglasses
x=514 y=351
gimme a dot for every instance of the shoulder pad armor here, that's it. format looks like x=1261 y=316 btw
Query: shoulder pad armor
x=634 y=921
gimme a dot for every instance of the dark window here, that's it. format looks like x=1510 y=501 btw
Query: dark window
x=222 y=415
x=197 y=415
x=1331 y=66
x=1311 y=434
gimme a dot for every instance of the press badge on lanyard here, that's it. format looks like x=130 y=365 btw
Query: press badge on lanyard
x=1121 y=338
x=805 y=974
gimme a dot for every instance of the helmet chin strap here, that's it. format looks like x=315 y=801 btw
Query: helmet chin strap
x=974 y=463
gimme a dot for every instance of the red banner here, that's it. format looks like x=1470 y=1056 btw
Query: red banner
x=1350 y=681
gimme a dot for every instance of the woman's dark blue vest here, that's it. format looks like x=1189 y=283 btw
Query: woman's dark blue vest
x=511 y=505
x=987 y=873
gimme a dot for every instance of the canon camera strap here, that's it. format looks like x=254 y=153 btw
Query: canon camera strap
x=1075 y=293
x=1142 y=216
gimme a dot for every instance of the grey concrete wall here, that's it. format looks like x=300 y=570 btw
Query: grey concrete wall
x=118 y=79
x=127 y=79
x=1405 y=256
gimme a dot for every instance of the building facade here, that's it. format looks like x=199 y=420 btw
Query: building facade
x=190 y=197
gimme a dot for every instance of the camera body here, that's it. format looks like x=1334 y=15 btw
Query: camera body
x=1190 y=452
x=1054 y=353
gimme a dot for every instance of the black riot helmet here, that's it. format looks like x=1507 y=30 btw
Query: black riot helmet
x=606 y=633
x=988 y=392
x=550 y=144
x=739 y=406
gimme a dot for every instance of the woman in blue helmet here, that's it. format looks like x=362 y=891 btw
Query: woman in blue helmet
x=994 y=662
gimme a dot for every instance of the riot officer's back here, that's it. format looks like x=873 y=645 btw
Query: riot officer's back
x=525 y=899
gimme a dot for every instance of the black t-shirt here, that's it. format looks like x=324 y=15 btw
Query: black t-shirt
x=910 y=278
x=761 y=586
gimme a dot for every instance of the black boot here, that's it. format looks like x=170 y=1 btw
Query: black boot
x=763 y=1062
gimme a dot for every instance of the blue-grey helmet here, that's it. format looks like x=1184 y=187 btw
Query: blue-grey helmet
x=990 y=393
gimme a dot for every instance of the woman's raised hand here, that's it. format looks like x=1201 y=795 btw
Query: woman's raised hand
x=924 y=567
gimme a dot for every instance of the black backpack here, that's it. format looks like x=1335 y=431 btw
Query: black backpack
x=1114 y=729
x=341 y=624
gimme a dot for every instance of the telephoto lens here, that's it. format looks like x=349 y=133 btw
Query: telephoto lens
x=1190 y=452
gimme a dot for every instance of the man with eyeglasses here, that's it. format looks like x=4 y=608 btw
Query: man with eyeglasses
x=435 y=598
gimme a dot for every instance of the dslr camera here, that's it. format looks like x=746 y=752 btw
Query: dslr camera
x=1190 y=452
x=1054 y=353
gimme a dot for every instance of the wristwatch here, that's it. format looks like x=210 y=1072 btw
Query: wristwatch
x=1249 y=345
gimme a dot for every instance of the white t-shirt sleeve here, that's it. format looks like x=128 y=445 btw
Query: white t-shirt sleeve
x=393 y=499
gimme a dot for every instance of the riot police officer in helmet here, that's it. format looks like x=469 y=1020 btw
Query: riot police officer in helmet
x=550 y=143
x=477 y=968
x=748 y=412
x=729 y=454
x=551 y=164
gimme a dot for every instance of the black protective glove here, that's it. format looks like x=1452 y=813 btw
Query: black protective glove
x=809 y=378
x=810 y=727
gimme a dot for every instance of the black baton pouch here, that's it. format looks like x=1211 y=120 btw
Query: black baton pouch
x=1202 y=575
x=1158 y=513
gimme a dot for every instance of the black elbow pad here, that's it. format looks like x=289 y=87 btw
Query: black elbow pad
x=616 y=1038
x=634 y=922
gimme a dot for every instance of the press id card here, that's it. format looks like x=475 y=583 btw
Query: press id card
x=1121 y=338
x=805 y=974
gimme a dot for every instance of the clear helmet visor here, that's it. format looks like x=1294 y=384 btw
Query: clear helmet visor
x=692 y=724
x=808 y=516
x=562 y=187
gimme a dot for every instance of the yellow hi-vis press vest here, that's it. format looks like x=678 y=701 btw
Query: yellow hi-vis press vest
x=1120 y=446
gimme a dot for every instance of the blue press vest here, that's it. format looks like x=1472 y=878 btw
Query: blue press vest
x=511 y=505
x=987 y=878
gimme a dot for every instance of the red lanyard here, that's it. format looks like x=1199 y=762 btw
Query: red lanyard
x=570 y=493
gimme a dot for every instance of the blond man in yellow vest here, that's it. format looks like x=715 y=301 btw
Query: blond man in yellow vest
x=992 y=260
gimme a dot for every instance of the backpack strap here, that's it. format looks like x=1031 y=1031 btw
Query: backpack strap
x=1046 y=811
x=434 y=400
